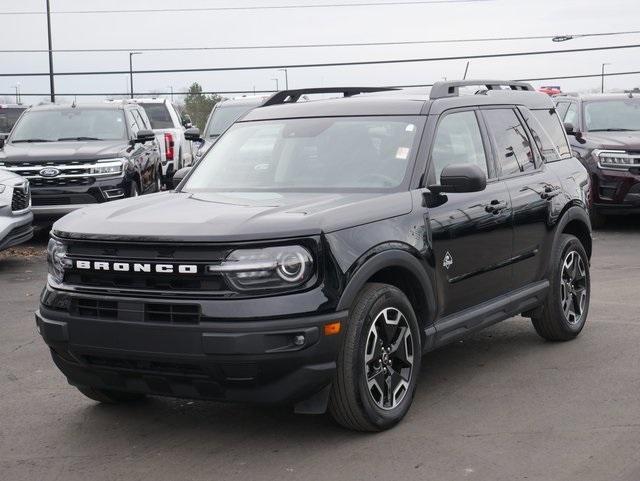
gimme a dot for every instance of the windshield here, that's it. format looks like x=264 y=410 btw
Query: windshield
x=158 y=115
x=70 y=124
x=223 y=117
x=317 y=154
x=612 y=115
x=8 y=118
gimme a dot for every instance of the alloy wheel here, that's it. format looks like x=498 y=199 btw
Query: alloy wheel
x=388 y=359
x=573 y=287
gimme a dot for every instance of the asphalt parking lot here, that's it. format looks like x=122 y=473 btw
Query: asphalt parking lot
x=502 y=405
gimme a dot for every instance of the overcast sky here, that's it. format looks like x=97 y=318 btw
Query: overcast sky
x=473 y=19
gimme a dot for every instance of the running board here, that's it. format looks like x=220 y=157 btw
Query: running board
x=458 y=325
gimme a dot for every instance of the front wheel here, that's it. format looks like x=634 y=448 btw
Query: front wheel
x=134 y=190
x=565 y=310
x=379 y=361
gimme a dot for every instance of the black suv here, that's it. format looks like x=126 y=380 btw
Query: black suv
x=320 y=248
x=604 y=132
x=78 y=155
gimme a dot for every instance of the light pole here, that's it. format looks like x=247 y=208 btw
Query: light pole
x=131 y=54
x=286 y=77
x=277 y=84
x=602 y=78
x=17 y=87
x=51 y=84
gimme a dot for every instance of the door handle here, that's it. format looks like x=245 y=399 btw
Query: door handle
x=495 y=207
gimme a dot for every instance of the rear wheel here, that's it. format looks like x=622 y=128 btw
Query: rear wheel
x=565 y=310
x=108 y=396
x=134 y=190
x=379 y=361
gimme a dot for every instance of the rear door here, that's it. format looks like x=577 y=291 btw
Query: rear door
x=471 y=232
x=520 y=154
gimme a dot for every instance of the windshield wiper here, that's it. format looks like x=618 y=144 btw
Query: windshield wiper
x=78 y=138
x=613 y=130
x=30 y=140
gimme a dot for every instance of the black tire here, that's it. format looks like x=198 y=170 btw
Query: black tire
x=598 y=220
x=554 y=323
x=158 y=182
x=110 y=397
x=352 y=402
x=134 y=190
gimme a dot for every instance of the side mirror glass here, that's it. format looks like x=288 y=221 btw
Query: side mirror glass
x=460 y=178
x=192 y=134
x=571 y=130
x=179 y=175
x=145 y=136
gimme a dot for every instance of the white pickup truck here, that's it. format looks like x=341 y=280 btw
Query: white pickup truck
x=169 y=124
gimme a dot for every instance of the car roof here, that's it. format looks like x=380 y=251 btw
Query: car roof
x=238 y=101
x=81 y=106
x=397 y=102
x=597 y=97
x=149 y=100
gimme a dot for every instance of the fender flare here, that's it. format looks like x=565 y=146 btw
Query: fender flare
x=572 y=213
x=389 y=258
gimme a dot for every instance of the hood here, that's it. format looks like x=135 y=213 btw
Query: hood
x=614 y=140
x=229 y=216
x=10 y=178
x=62 y=151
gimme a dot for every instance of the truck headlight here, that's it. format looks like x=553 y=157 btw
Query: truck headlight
x=107 y=167
x=57 y=260
x=616 y=159
x=268 y=268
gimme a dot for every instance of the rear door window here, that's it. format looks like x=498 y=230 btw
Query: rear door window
x=158 y=115
x=571 y=117
x=458 y=141
x=547 y=133
x=514 y=153
x=562 y=109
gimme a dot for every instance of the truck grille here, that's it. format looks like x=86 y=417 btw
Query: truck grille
x=21 y=199
x=136 y=311
x=69 y=173
x=147 y=283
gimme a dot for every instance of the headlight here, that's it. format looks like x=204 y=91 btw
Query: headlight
x=57 y=260
x=616 y=159
x=269 y=268
x=107 y=167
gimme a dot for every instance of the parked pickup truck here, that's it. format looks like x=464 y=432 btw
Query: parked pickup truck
x=169 y=124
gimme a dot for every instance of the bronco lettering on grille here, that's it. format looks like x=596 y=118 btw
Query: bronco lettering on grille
x=137 y=267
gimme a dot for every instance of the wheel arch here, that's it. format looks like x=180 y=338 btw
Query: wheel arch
x=575 y=221
x=400 y=269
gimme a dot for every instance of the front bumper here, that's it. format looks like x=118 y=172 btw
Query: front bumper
x=229 y=360
x=15 y=229
x=616 y=193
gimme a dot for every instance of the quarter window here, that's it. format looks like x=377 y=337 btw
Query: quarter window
x=548 y=134
x=562 y=109
x=514 y=152
x=458 y=141
x=572 y=115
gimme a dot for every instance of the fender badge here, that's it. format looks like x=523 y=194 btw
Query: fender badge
x=448 y=260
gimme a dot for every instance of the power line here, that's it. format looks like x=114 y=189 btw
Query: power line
x=228 y=92
x=254 y=7
x=326 y=64
x=320 y=45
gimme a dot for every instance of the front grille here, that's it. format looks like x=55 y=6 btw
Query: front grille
x=70 y=199
x=144 y=366
x=61 y=181
x=21 y=198
x=148 y=283
x=168 y=313
x=79 y=169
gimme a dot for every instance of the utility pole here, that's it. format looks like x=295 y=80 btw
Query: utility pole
x=286 y=77
x=171 y=89
x=51 y=83
x=602 y=78
x=466 y=70
x=131 y=54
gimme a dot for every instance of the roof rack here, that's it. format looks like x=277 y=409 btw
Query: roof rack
x=292 y=96
x=452 y=88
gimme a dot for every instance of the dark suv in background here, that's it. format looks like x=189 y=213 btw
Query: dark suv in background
x=604 y=133
x=9 y=115
x=79 y=155
x=320 y=248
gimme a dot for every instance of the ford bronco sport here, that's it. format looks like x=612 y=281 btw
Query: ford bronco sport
x=320 y=248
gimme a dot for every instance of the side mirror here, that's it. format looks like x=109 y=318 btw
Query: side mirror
x=179 y=175
x=460 y=178
x=186 y=122
x=192 y=134
x=571 y=130
x=145 y=136
x=2 y=139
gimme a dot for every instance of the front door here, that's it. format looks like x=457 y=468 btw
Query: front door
x=472 y=236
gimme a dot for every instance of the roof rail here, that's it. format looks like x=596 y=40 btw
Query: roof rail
x=291 y=96
x=452 y=88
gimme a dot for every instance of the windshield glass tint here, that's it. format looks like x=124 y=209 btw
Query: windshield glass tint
x=311 y=154
x=622 y=114
x=223 y=117
x=72 y=123
x=8 y=118
x=158 y=115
